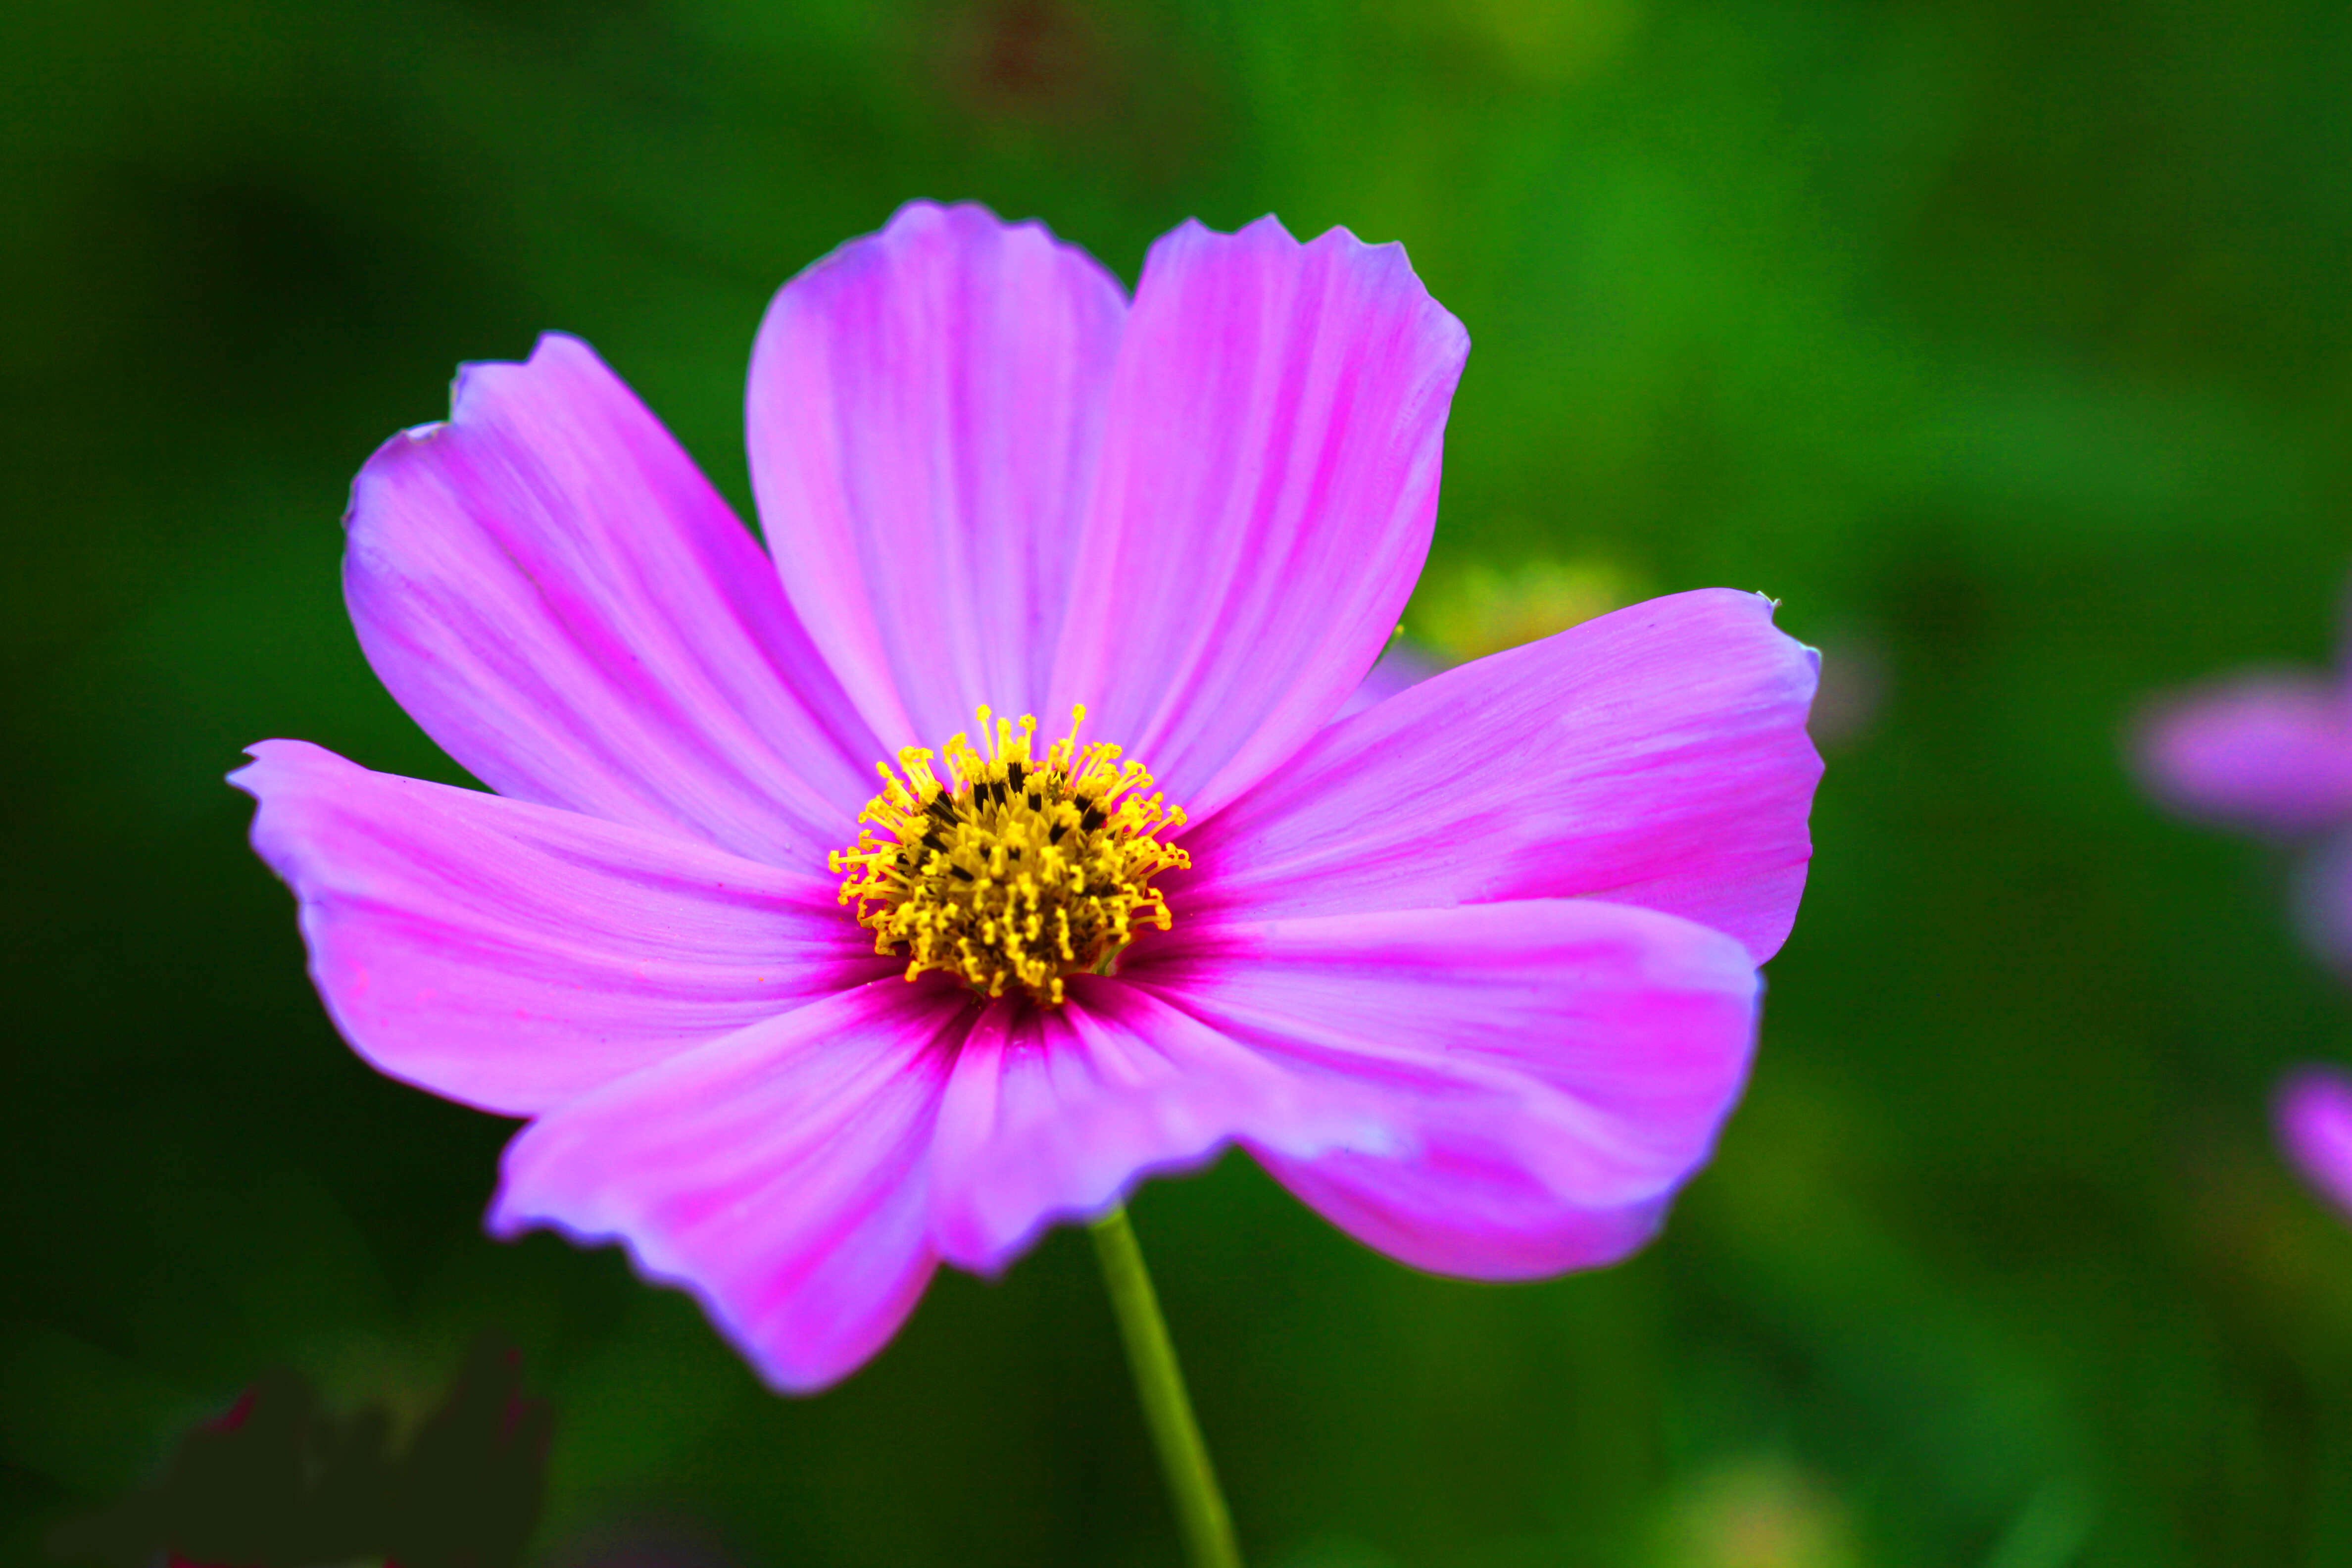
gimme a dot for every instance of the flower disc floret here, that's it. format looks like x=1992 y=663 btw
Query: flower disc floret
x=1016 y=870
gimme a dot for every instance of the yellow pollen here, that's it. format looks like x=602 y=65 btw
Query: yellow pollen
x=1016 y=870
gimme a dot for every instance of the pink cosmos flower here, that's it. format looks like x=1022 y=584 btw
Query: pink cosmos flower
x=1473 y=972
x=2313 y=1116
x=2268 y=752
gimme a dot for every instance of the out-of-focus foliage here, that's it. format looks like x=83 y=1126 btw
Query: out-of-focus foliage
x=278 y=1482
x=2006 y=342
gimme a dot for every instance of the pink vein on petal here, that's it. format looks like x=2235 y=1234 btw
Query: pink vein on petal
x=1656 y=755
x=1265 y=499
x=924 y=418
x=551 y=588
x=1058 y=1114
x=781 y=1174
x=1547 y=1072
x=512 y=956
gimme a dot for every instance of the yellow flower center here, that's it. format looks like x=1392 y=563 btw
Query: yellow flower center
x=1016 y=870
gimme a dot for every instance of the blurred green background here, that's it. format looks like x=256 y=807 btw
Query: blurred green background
x=2005 y=341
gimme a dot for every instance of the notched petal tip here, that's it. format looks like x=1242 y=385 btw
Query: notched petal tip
x=1275 y=403
x=476 y=383
x=512 y=957
x=271 y=762
x=923 y=220
x=775 y=1364
x=780 y=1175
x=482 y=381
x=923 y=416
x=556 y=594
x=1552 y=1072
x=1387 y=258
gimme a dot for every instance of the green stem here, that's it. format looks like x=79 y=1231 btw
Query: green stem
x=1167 y=1409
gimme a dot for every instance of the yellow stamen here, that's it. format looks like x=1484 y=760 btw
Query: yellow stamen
x=1016 y=870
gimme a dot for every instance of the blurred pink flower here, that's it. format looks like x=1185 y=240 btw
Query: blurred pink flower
x=2270 y=752
x=2267 y=752
x=1472 y=973
x=2313 y=1116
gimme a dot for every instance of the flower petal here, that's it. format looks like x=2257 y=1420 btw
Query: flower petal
x=1656 y=755
x=2269 y=752
x=2314 y=1114
x=925 y=412
x=780 y=1175
x=511 y=956
x=1548 y=1072
x=1268 y=483
x=1402 y=667
x=1058 y=1114
x=553 y=590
